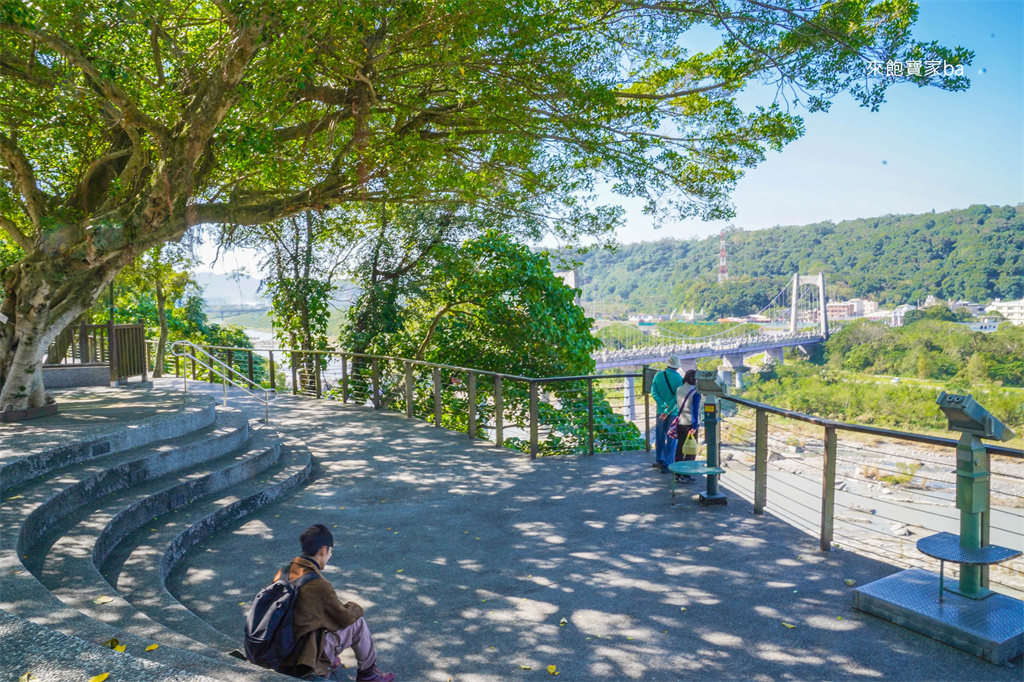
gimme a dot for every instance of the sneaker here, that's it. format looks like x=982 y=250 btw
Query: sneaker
x=664 y=470
x=655 y=465
x=374 y=674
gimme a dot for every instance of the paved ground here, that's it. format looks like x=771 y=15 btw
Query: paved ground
x=467 y=559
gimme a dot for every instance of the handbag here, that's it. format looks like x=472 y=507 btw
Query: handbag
x=690 y=446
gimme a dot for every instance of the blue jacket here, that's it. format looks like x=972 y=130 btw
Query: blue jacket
x=664 y=390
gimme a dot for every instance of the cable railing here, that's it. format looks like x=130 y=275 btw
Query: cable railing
x=845 y=491
x=854 y=495
x=215 y=367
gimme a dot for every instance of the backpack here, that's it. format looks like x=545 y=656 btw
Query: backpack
x=268 y=627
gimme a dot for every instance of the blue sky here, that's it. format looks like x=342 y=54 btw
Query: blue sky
x=941 y=150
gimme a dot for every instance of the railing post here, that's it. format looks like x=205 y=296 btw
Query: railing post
x=375 y=382
x=499 y=414
x=828 y=489
x=195 y=375
x=295 y=376
x=227 y=370
x=317 y=380
x=410 y=392
x=534 y=425
x=647 y=410
x=437 y=396
x=273 y=372
x=471 y=389
x=344 y=379
x=83 y=343
x=177 y=366
x=250 y=372
x=760 y=461
x=590 y=415
x=210 y=377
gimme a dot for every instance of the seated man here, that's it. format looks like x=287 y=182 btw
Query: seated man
x=322 y=626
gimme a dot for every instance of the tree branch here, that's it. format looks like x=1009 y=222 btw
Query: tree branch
x=35 y=200
x=15 y=233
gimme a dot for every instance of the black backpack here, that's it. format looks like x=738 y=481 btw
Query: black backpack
x=268 y=627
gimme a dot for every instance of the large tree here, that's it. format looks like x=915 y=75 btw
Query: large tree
x=124 y=124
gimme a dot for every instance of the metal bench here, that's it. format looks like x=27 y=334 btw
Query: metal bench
x=946 y=547
x=691 y=467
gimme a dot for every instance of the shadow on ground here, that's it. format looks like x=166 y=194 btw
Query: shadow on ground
x=467 y=559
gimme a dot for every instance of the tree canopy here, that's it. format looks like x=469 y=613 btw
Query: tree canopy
x=124 y=124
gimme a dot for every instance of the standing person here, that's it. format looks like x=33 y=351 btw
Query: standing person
x=322 y=626
x=688 y=406
x=666 y=383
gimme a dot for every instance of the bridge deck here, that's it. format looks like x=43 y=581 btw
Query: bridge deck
x=467 y=558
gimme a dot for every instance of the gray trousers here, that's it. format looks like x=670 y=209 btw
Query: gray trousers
x=356 y=636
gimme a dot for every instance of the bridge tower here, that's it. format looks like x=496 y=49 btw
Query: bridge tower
x=800 y=281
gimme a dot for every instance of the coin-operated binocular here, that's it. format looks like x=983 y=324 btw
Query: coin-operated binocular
x=708 y=383
x=973 y=422
x=712 y=389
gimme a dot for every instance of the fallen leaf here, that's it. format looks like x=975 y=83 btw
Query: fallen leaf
x=241 y=603
x=100 y=677
x=340 y=507
x=850 y=582
x=839 y=617
x=27 y=677
x=682 y=608
x=111 y=643
x=562 y=622
x=788 y=625
x=102 y=600
x=629 y=638
x=551 y=669
x=799 y=557
x=16 y=497
x=400 y=570
x=525 y=667
x=18 y=572
x=152 y=647
x=120 y=647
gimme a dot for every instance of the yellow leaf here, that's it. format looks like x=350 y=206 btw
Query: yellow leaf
x=100 y=677
x=400 y=570
x=562 y=622
x=462 y=71
x=850 y=582
x=551 y=669
x=682 y=608
x=788 y=625
x=17 y=497
x=839 y=617
x=152 y=647
x=111 y=643
x=120 y=647
x=629 y=638
x=102 y=600
x=525 y=667
x=241 y=603
x=27 y=677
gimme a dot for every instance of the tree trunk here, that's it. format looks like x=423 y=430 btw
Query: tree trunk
x=161 y=344
x=36 y=315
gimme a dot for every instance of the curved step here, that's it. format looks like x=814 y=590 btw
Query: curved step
x=32 y=509
x=71 y=569
x=197 y=411
x=140 y=574
x=51 y=655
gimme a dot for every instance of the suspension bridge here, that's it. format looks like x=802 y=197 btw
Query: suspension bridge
x=795 y=317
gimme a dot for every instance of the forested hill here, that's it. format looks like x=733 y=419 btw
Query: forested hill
x=976 y=253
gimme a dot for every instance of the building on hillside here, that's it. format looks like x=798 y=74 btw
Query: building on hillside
x=839 y=310
x=689 y=316
x=973 y=308
x=1013 y=311
x=931 y=300
x=899 y=312
x=883 y=316
x=986 y=325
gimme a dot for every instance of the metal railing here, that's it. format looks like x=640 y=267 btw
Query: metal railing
x=882 y=497
x=189 y=351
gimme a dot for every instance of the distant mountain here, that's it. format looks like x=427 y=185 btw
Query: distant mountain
x=221 y=290
x=976 y=253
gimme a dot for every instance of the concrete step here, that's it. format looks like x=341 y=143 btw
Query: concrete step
x=52 y=656
x=196 y=412
x=140 y=565
x=32 y=508
x=71 y=568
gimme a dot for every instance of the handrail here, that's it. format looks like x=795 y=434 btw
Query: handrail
x=269 y=394
x=872 y=430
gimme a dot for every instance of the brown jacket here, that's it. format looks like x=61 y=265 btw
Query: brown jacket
x=317 y=611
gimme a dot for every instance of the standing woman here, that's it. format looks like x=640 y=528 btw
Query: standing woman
x=688 y=406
